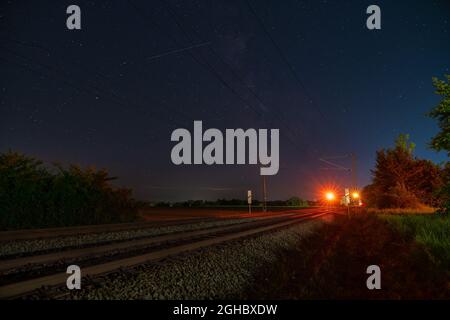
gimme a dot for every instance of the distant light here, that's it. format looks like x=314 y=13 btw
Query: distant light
x=355 y=195
x=330 y=196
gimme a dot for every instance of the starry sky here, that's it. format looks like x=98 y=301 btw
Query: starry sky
x=110 y=95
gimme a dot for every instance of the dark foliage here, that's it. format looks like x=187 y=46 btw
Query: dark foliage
x=441 y=142
x=291 y=202
x=331 y=263
x=33 y=196
x=442 y=114
x=401 y=180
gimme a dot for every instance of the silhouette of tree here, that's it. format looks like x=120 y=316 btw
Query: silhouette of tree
x=442 y=114
x=33 y=195
x=441 y=142
x=401 y=180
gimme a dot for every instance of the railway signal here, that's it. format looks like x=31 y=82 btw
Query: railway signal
x=330 y=196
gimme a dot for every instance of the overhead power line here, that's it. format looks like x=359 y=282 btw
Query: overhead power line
x=205 y=64
x=283 y=58
x=336 y=166
x=177 y=19
x=157 y=56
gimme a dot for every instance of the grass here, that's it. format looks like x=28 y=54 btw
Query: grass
x=332 y=262
x=410 y=211
x=431 y=231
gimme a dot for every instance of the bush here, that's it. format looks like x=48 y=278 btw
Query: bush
x=296 y=202
x=34 y=196
x=444 y=192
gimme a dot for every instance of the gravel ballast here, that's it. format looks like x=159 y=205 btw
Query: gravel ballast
x=219 y=272
x=29 y=246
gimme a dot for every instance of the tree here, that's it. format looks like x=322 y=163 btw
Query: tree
x=441 y=142
x=33 y=195
x=24 y=184
x=296 y=202
x=401 y=180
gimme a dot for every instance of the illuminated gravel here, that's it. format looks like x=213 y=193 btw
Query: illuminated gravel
x=214 y=273
x=27 y=246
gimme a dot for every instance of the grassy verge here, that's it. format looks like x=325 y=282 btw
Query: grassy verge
x=431 y=231
x=332 y=264
x=409 y=211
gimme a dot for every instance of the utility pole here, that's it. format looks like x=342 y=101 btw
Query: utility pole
x=264 y=189
x=347 y=200
x=354 y=177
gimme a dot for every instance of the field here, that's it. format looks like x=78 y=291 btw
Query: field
x=433 y=232
x=332 y=262
x=401 y=211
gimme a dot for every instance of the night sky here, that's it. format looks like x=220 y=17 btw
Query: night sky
x=111 y=94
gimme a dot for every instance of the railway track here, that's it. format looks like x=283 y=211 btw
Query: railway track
x=16 y=250
x=63 y=254
x=34 y=234
x=127 y=254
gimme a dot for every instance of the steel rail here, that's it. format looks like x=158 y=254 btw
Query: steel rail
x=14 y=263
x=35 y=234
x=23 y=287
